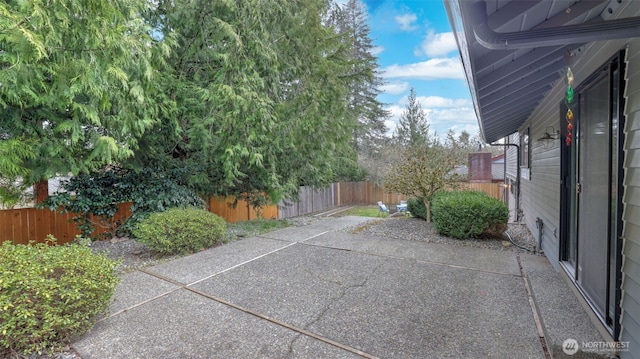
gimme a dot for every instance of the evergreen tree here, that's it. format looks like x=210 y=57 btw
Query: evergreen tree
x=76 y=85
x=258 y=95
x=350 y=22
x=413 y=128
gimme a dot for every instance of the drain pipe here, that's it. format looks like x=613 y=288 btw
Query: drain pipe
x=540 y=226
x=517 y=173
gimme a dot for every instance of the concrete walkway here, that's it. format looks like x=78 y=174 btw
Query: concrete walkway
x=318 y=292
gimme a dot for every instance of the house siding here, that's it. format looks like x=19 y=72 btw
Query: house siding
x=511 y=157
x=511 y=175
x=540 y=194
x=630 y=318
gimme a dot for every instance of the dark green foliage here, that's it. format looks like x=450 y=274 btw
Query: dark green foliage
x=413 y=128
x=95 y=197
x=350 y=21
x=416 y=207
x=181 y=230
x=464 y=214
x=49 y=294
x=77 y=83
x=260 y=97
x=252 y=96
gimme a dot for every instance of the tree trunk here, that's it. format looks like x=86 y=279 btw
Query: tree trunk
x=427 y=206
x=41 y=191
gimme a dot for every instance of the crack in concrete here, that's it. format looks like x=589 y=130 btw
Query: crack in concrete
x=344 y=289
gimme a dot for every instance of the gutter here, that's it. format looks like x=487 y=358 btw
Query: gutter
x=553 y=36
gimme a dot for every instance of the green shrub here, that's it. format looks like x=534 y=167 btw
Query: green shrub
x=416 y=207
x=467 y=214
x=180 y=230
x=94 y=197
x=49 y=294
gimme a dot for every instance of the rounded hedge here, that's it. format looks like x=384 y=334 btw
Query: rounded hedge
x=49 y=294
x=465 y=214
x=180 y=230
x=416 y=207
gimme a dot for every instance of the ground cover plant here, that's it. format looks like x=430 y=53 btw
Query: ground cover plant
x=368 y=211
x=253 y=227
x=49 y=294
x=464 y=214
x=181 y=230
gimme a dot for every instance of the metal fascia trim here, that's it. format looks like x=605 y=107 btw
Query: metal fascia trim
x=553 y=36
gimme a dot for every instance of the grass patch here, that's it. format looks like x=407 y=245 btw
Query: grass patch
x=368 y=211
x=253 y=227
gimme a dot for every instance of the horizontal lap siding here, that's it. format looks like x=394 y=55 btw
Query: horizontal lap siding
x=631 y=215
x=511 y=156
x=540 y=194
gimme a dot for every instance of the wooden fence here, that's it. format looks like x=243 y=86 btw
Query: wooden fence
x=495 y=190
x=358 y=194
x=242 y=211
x=30 y=224
x=312 y=200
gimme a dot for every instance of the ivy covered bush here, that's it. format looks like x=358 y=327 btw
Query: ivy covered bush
x=416 y=207
x=49 y=294
x=94 y=197
x=464 y=214
x=181 y=230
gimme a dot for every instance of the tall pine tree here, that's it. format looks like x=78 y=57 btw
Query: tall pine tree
x=350 y=22
x=413 y=128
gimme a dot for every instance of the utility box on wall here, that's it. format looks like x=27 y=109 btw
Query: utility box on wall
x=480 y=167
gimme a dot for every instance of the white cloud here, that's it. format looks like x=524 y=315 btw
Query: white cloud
x=437 y=101
x=406 y=21
x=440 y=44
x=433 y=69
x=395 y=88
x=377 y=50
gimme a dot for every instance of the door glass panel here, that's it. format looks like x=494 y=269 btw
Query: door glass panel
x=572 y=246
x=594 y=192
x=613 y=219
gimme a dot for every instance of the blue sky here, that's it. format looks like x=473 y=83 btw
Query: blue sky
x=416 y=48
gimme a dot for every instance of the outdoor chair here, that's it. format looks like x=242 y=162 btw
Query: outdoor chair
x=383 y=208
x=402 y=207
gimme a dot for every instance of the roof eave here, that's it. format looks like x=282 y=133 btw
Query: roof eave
x=459 y=31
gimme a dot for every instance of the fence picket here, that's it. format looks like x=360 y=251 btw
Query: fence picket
x=29 y=224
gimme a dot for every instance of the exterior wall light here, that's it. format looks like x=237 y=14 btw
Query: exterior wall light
x=550 y=135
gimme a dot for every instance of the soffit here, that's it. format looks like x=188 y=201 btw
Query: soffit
x=508 y=84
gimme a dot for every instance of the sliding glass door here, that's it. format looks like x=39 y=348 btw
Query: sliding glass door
x=591 y=194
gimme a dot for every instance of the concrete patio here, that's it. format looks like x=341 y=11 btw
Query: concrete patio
x=320 y=292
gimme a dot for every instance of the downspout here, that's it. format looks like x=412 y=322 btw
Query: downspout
x=517 y=173
x=553 y=36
